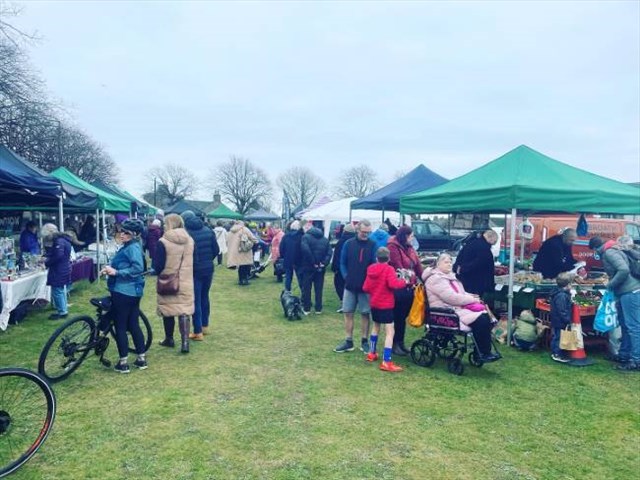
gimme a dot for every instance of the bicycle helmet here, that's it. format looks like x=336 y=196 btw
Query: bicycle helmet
x=133 y=225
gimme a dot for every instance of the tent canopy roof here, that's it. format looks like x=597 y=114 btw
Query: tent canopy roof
x=261 y=215
x=24 y=184
x=224 y=212
x=388 y=197
x=106 y=201
x=529 y=181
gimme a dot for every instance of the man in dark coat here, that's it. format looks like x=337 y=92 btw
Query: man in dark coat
x=346 y=232
x=58 y=261
x=474 y=265
x=316 y=255
x=292 y=254
x=555 y=254
x=205 y=250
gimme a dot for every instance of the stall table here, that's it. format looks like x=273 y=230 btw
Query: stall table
x=27 y=287
x=83 y=269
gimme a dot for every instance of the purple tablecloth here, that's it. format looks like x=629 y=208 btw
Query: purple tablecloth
x=83 y=269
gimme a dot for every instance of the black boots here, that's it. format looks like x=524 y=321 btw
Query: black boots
x=399 y=349
x=169 y=325
x=184 y=323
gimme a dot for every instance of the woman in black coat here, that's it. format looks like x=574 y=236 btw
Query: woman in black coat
x=474 y=266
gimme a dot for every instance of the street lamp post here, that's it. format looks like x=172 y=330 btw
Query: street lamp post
x=155 y=193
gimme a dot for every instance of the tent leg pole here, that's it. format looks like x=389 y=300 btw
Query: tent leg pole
x=39 y=230
x=98 y=241
x=512 y=259
x=104 y=226
x=60 y=214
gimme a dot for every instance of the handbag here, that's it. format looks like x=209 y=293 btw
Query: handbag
x=169 y=283
x=607 y=315
x=416 y=314
x=568 y=339
x=475 y=307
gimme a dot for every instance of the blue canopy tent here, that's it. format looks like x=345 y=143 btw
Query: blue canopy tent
x=387 y=198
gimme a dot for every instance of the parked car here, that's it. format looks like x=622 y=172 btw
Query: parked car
x=432 y=237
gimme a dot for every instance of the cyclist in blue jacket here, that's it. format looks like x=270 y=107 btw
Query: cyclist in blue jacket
x=126 y=284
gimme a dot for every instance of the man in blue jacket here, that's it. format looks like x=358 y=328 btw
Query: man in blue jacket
x=205 y=250
x=357 y=254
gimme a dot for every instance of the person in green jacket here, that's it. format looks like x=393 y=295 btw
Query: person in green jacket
x=525 y=334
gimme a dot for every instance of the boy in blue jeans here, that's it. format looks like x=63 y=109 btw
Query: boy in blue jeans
x=560 y=300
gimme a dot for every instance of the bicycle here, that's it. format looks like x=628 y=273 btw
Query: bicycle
x=70 y=344
x=27 y=411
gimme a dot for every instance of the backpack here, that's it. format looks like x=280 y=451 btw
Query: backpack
x=245 y=244
x=633 y=257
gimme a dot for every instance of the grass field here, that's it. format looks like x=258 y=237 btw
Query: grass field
x=263 y=398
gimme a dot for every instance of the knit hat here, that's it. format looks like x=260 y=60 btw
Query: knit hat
x=595 y=242
x=187 y=214
x=349 y=228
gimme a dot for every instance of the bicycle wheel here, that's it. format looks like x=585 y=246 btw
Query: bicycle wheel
x=27 y=411
x=67 y=348
x=147 y=334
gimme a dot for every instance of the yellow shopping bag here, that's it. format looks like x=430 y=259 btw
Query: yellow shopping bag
x=416 y=315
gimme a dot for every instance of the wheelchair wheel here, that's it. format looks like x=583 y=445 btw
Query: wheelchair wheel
x=455 y=366
x=475 y=360
x=422 y=353
x=448 y=347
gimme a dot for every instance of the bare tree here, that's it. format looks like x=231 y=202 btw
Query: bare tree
x=170 y=184
x=357 y=182
x=301 y=184
x=242 y=183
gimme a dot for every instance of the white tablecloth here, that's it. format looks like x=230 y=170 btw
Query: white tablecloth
x=29 y=287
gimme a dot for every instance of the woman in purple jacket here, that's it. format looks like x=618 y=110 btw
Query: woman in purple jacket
x=58 y=261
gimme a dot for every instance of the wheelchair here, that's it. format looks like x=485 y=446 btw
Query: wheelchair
x=448 y=338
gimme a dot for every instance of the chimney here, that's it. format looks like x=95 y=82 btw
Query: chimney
x=216 y=198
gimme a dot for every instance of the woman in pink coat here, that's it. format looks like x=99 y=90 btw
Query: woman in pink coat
x=445 y=291
x=278 y=267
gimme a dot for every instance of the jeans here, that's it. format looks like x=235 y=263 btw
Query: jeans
x=243 y=273
x=201 y=287
x=288 y=278
x=630 y=323
x=126 y=310
x=311 y=277
x=59 y=298
x=555 y=342
x=220 y=259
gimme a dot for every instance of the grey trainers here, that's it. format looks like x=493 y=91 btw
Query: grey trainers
x=346 y=346
x=364 y=346
x=559 y=358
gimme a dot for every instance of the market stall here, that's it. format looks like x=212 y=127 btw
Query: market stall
x=31 y=285
x=526 y=181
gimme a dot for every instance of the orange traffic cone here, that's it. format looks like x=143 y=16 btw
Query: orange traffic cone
x=578 y=356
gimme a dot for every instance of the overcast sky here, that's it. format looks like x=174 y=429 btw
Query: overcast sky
x=331 y=85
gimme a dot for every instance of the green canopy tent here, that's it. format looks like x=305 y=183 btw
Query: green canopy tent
x=222 y=211
x=524 y=180
x=106 y=201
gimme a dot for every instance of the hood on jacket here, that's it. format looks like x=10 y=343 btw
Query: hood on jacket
x=431 y=272
x=179 y=236
x=316 y=232
x=293 y=233
x=376 y=270
x=193 y=223
x=236 y=227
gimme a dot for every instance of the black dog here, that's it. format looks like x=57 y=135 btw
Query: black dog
x=291 y=305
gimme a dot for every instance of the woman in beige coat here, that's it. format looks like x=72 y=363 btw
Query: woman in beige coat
x=174 y=254
x=240 y=242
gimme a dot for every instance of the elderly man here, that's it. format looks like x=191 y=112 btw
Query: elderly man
x=555 y=254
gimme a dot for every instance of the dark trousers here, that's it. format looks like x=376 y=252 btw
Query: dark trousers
x=338 y=283
x=481 y=329
x=220 y=259
x=312 y=277
x=404 y=300
x=126 y=310
x=201 y=287
x=243 y=273
x=288 y=277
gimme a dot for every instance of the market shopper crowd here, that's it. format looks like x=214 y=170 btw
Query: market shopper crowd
x=375 y=275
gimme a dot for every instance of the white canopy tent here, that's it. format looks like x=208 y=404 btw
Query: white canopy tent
x=340 y=211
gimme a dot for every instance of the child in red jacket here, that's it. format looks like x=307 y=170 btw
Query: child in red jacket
x=380 y=283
